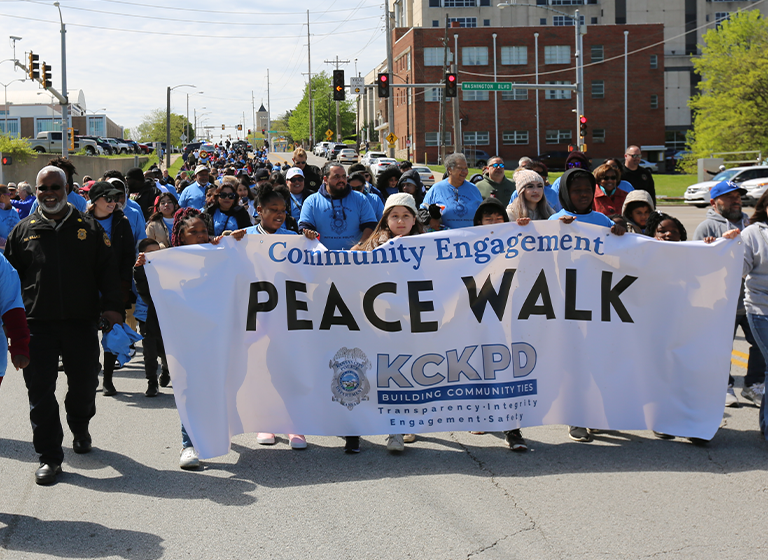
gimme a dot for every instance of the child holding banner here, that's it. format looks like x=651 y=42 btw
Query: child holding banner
x=398 y=220
x=272 y=209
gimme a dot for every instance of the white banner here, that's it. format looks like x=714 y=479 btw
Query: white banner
x=488 y=328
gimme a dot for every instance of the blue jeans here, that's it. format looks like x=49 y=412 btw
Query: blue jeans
x=759 y=325
x=756 y=362
x=185 y=441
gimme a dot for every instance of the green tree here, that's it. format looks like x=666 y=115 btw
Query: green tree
x=152 y=127
x=730 y=110
x=325 y=112
x=17 y=148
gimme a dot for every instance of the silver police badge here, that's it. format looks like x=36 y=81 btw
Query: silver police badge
x=349 y=385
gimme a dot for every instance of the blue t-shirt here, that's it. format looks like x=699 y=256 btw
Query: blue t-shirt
x=623 y=185
x=193 y=197
x=106 y=223
x=222 y=223
x=72 y=197
x=297 y=201
x=282 y=230
x=550 y=194
x=596 y=218
x=24 y=206
x=377 y=205
x=8 y=219
x=341 y=221
x=135 y=217
x=460 y=204
x=10 y=298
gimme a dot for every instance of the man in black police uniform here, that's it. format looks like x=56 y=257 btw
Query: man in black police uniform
x=64 y=261
x=639 y=177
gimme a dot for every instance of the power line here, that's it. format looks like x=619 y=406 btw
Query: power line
x=186 y=9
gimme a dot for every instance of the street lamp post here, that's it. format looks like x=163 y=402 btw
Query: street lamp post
x=577 y=55
x=186 y=126
x=65 y=104
x=5 y=88
x=168 y=124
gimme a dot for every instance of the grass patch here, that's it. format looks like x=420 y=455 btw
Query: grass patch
x=173 y=170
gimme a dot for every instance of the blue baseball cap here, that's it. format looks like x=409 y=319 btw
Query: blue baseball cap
x=724 y=187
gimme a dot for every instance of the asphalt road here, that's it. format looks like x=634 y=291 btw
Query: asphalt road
x=449 y=496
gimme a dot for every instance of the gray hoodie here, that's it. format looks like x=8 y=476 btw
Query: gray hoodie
x=755 y=272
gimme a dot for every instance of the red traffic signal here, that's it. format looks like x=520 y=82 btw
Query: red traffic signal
x=582 y=126
x=7 y=160
x=383 y=85
x=451 y=84
x=583 y=119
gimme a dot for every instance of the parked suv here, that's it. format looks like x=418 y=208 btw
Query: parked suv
x=476 y=158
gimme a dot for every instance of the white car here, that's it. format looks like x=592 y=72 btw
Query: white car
x=370 y=156
x=347 y=156
x=426 y=174
x=379 y=164
x=319 y=149
x=755 y=189
x=698 y=194
x=652 y=167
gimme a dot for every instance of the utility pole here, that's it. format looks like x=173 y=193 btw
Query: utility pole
x=309 y=86
x=253 y=109
x=441 y=133
x=65 y=103
x=337 y=62
x=391 y=70
x=269 y=115
x=458 y=140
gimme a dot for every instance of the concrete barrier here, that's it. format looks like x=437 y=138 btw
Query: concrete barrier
x=86 y=165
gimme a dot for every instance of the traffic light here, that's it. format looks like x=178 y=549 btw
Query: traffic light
x=383 y=85
x=45 y=74
x=7 y=160
x=34 y=66
x=582 y=126
x=239 y=127
x=223 y=127
x=338 y=85
x=249 y=132
x=450 y=84
x=263 y=131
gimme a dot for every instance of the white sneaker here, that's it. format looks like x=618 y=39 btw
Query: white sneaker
x=189 y=458
x=264 y=438
x=395 y=442
x=730 y=398
x=754 y=393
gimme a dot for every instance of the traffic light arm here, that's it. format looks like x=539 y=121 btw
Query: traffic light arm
x=53 y=91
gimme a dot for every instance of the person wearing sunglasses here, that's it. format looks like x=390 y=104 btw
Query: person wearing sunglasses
x=609 y=199
x=68 y=276
x=638 y=177
x=458 y=197
x=312 y=178
x=226 y=215
x=495 y=183
x=104 y=197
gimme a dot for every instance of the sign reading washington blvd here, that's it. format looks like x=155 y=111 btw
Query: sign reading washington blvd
x=486 y=86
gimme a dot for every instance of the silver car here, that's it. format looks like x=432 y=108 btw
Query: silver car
x=426 y=174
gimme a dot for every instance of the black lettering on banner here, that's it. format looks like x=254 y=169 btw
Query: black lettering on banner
x=369 y=299
x=254 y=307
x=498 y=301
x=570 y=298
x=539 y=289
x=293 y=306
x=610 y=297
x=329 y=313
x=418 y=307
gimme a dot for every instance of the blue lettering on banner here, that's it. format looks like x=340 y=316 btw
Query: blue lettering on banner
x=475 y=391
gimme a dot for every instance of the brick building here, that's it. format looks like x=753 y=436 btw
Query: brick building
x=418 y=58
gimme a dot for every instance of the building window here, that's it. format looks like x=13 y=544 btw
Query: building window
x=477 y=138
x=433 y=94
x=46 y=125
x=515 y=94
x=434 y=4
x=598 y=136
x=543 y=21
x=567 y=2
x=654 y=101
x=519 y=137
x=433 y=56
x=557 y=93
x=654 y=61
x=598 y=53
x=464 y=21
x=486 y=23
x=13 y=126
x=557 y=54
x=565 y=21
x=459 y=3
x=598 y=89
x=435 y=23
x=485 y=2
x=514 y=55
x=474 y=95
x=558 y=136
x=430 y=138
x=97 y=126
x=722 y=16
x=594 y=21
x=474 y=56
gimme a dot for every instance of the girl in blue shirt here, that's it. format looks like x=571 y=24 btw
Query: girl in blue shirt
x=224 y=211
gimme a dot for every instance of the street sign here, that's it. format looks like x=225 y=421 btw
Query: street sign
x=392 y=139
x=329 y=134
x=486 y=86
x=391 y=146
x=356 y=84
x=272 y=131
x=183 y=137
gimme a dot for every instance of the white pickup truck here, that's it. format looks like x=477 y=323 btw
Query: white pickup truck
x=50 y=143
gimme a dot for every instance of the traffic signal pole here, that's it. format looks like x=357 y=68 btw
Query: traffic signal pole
x=65 y=103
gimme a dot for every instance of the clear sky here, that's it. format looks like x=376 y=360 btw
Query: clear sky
x=124 y=54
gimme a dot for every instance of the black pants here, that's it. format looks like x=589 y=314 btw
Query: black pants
x=153 y=349
x=77 y=343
